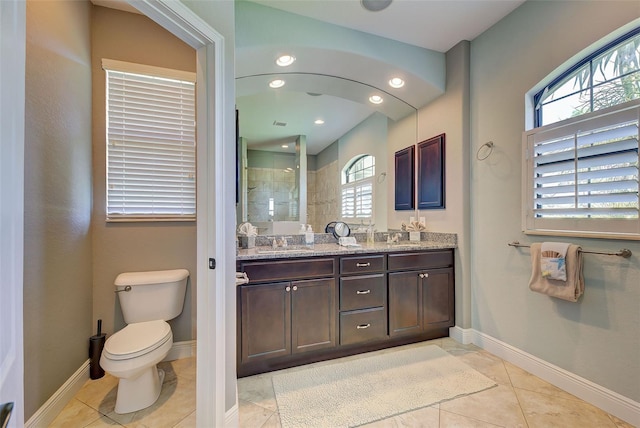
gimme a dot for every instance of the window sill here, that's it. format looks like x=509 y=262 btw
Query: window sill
x=148 y=219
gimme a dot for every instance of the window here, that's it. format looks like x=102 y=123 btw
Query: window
x=581 y=175
x=357 y=189
x=610 y=76
x=150 y=143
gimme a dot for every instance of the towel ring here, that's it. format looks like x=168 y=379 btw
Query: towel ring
x=489 y=150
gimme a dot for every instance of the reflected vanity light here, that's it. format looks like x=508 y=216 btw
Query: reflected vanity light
x=277 y=83
x=285 y=60
x=285 y=146
x=376 y=99
x=319 y=122
x=396 y=82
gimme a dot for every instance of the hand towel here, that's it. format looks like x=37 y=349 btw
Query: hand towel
x=552 y=262
x=572 y=288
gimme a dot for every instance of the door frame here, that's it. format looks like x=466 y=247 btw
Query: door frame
x=12 y=101
x=214 y=207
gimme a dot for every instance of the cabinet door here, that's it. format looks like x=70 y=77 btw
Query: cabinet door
x=438 y=298
x=265 y=321
x=405 y=304
x=431 y=161
x=404 y=187
x=313 y=320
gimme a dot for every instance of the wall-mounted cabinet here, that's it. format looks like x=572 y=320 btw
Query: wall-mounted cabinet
x=405 y=173
x=431 y=162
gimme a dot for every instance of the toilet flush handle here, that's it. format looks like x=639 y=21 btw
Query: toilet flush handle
x=127 y=288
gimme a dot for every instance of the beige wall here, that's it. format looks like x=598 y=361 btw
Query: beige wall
x=57 y=237
x=596 y=338
x=126 y=247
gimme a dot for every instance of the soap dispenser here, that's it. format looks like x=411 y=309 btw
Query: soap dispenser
x=308 y=237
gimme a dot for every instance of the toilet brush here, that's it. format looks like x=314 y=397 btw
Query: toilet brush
x=96 y=343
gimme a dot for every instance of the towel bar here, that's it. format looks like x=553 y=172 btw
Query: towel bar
x=626 y=253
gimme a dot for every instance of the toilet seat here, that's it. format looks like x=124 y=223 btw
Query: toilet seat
x=137 y=339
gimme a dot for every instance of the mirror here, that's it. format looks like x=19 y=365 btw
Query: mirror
x=291 y=168
x=341 y=230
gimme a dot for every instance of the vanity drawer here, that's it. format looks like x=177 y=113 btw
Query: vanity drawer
x=421 y=260
x=360 y=292
x=277 y=270
x=362 y=264
x=363 y=326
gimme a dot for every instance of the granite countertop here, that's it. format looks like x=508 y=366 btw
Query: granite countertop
x=437 y=242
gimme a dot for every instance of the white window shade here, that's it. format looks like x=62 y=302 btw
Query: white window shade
x=581 y=175
x=357 y=200
x=150 y=146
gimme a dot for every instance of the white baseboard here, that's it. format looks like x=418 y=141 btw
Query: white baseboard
x=54 y=405
x=462 y=335
x=232 y=417
x=607 y=400
x=184 y=349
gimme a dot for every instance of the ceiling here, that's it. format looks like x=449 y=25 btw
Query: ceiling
x=435 y=25
x=432 y=24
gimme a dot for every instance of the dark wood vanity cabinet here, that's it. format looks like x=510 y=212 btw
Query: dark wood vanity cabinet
x=279 y=319
x=296 y=311
x=363 y=299
x=421 y=292
x=282 y=318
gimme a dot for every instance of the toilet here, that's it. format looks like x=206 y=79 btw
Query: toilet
x=148 y=301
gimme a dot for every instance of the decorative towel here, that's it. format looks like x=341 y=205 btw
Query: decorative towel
x=572 y=288
x=552 y=262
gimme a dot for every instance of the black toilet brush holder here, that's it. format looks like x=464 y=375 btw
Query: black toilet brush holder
x=96 y=343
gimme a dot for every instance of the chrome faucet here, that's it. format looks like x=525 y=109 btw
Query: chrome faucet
x=393 y=239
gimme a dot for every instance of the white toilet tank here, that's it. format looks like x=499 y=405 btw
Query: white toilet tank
x=154 y=295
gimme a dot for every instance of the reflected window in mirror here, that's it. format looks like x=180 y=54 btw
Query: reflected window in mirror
x=357 y=189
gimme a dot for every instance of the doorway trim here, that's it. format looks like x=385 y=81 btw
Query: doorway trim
x=12 y=101
x=212 y=233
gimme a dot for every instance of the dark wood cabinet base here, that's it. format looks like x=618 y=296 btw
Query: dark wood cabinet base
x=300 y=311
x=273 y=364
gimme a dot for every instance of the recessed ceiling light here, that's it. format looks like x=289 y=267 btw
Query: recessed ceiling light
x=396 y=82
x=277 y=83
x=376 y=99
x=319 y=122
x=375 y=5
x=285 y=60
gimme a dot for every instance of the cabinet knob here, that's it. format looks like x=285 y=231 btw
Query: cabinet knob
x=295 y=287
x=363 y=291
x=363 y=264
x=288 y=288
x=361 y=326
x=424 y=275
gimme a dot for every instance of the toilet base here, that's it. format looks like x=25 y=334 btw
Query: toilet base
x=140 y=392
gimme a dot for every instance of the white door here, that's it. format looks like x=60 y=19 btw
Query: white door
x=12 y=52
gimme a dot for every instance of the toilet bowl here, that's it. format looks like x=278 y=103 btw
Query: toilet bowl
x=131 y=355
x=148 y=299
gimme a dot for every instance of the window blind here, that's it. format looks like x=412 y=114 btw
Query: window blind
x=585 y=169
x=357 y=200
x=150 y=146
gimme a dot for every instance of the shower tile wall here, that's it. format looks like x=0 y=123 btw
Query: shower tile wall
x=267 y=183
x=323 y=197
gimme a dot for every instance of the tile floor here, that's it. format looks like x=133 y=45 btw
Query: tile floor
x=519 y=400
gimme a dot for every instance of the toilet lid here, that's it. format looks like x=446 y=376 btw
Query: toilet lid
x=137 y=339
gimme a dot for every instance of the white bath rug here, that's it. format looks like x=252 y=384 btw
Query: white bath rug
x=367 y=389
